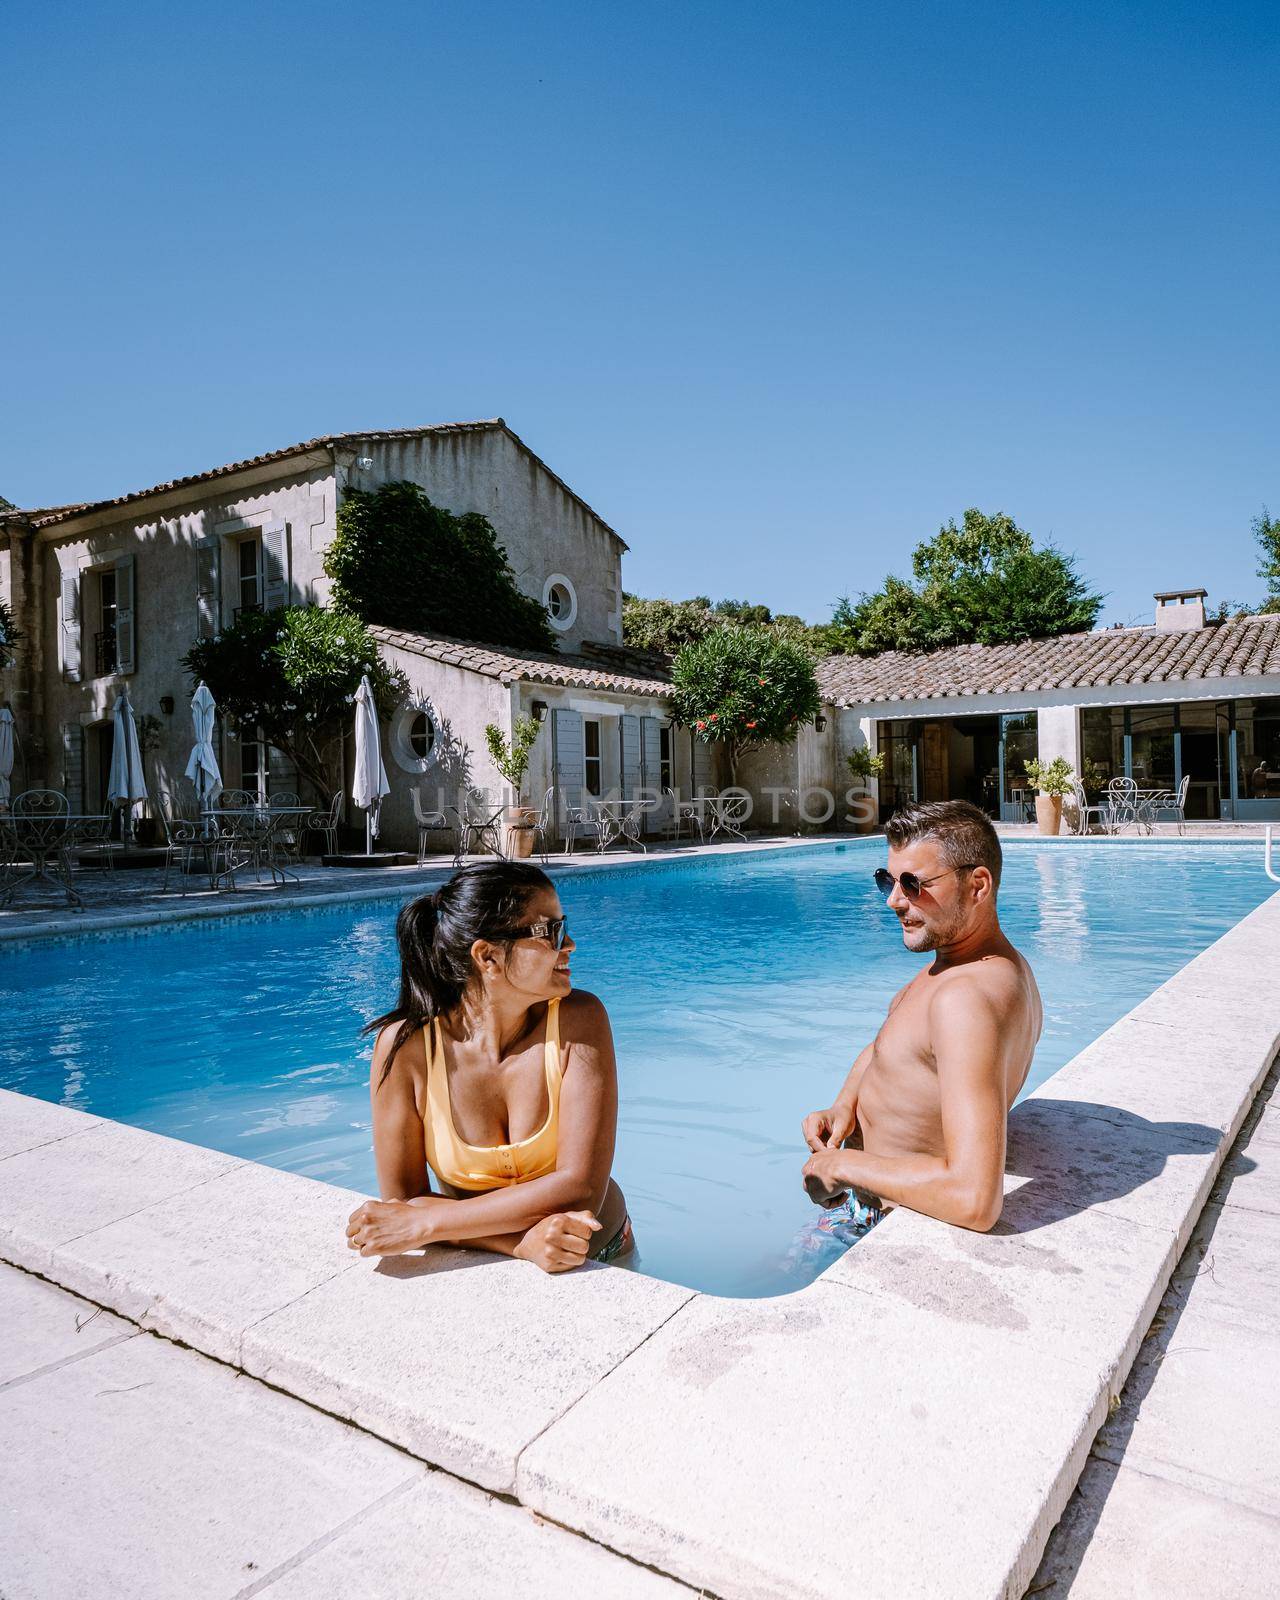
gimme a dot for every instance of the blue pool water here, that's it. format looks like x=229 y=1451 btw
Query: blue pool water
x=740 y=989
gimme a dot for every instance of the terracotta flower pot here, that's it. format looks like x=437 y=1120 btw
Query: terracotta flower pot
x=1049 y=812
x=520 y=822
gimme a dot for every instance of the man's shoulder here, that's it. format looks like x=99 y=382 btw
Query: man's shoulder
x=999 y=979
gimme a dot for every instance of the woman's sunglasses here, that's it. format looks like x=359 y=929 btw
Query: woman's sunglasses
x=554 y=928
x=912 y=885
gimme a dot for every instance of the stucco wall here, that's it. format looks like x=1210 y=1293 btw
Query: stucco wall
x=545 y=531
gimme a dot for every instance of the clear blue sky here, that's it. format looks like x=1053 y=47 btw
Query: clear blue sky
x=777 y=288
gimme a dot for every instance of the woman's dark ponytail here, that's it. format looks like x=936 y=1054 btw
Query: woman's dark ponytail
x=485 y=900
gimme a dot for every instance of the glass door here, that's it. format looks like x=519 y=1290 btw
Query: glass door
x=1019 y=743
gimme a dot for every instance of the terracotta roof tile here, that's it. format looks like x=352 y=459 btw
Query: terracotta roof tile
x=52 y=515
x=1246 y=646
x=522 y=666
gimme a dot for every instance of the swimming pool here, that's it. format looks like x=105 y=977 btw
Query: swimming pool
x=740 y=988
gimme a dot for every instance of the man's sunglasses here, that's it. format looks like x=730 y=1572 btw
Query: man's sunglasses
x=912 y=885
x=554 y=928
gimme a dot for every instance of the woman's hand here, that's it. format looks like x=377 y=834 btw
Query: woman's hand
x=388 y=1227
x=559 y=1242
x=827 y=1130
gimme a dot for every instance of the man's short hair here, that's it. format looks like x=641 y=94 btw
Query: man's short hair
x=963 y=832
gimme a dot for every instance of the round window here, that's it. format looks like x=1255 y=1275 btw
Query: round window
x=560 y=601
x=422 y=735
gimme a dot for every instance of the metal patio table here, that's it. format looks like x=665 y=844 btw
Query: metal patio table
x=619 y=821
x=51 y=835
x=246 y=836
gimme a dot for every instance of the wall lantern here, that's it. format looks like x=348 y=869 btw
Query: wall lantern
x=819 y=722
x=539 y=709
x=166 y=704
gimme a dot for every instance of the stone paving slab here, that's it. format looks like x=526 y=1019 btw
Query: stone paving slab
x=41 y=1327
x=192 y=1266
x=145 y=1470
x=798 y=1448
x=55 y=1192
x=1255 y=1177
x=162 y=1474
x=1075 y=1155
x=426 y=1350
x=1083 y=1289
x=1129 y=1536
x=1196 y=1422
x=1202 y=1066
x=1231 y=1269
x=26 y=1123
x=444 y=1540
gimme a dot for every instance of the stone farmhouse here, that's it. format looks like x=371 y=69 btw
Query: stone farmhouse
x=112 y=594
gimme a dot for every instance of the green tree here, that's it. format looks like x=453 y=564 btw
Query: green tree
x=293 y=672
x=1266 y=530
x=742 y=688
x=983 y=583
x=401 y=561
x=9 y=636
x=666 y=626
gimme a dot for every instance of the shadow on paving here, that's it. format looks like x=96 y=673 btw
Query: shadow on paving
x=1070 y=1539
x=1075 y=1155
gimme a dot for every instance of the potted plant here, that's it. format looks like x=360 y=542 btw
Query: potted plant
x=512 y=761
x=864 y=766
x=1051 y=781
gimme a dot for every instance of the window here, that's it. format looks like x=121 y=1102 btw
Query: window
x=560 y=601
x=105 y=639
x=421 y=735
x=253 y=760
x=664 y=756
x=593 y=771
x=249 y=592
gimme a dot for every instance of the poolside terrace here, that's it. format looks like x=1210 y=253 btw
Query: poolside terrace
x=773 y=1447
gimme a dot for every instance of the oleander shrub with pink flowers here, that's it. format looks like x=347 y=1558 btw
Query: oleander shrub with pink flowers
x=743 y=688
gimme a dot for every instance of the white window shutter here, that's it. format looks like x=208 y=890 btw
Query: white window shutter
x=126 y=626
x=208 y=586
x=275 y=565
x=69 y=607
x=650 y=752
x=630 y=739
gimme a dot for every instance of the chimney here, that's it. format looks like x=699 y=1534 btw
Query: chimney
x=1180 y=610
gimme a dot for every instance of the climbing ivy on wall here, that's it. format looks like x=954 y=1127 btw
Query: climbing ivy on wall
x=402 y=562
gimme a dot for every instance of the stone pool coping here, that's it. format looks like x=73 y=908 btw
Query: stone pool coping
x=318 y=889
x=912 y=1423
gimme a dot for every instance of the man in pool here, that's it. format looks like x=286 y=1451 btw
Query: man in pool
x=920 y=1121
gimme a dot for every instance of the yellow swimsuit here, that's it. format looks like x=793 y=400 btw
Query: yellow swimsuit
x=477 y=1168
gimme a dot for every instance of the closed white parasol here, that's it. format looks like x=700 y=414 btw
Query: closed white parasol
x=202 y=766
x=370 y=783
x=127 y=784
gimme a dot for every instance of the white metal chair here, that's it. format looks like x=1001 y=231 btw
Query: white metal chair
x=1122 y=804
x=1084 y=810
x=544 y=829
x=479 y=825
x=324 y=821
x=581 y=819
x=428 y=821
x=1174 y=800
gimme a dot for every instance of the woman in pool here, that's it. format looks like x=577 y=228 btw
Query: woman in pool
x=497 y=1075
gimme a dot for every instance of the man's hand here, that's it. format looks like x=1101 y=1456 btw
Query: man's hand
x=559 y=1242
x=388 y=1227
x=823 y=1181
x=827 y=1130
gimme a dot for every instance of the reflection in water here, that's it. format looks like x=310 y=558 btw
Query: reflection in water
x=740 y=989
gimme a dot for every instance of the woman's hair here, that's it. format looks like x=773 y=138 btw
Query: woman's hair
x=435 y=933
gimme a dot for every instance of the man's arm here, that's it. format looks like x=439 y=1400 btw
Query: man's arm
x=827 y=1130
x=965 y=1185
